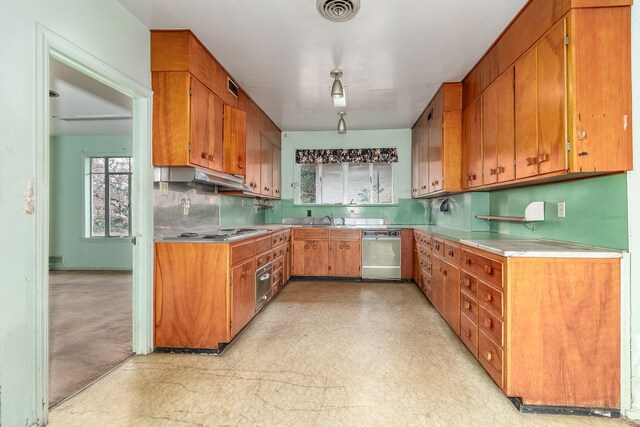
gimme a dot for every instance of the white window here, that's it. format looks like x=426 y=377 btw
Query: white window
x=109 y=197
x=346 y=183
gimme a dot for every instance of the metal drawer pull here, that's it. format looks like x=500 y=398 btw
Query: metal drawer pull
x=488 y=323
x=488 y=356
x=264 y=276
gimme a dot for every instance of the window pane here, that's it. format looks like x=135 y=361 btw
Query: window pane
x=97 y=164
x=119 y=205
x=119 y=164
x=359 y=183
x=97 y=205
x=309 y=183
x=382 y=183
x=332 y=184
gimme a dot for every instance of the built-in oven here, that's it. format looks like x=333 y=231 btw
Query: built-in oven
x=263 y=285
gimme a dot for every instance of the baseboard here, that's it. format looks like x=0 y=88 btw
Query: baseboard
x=564 y=410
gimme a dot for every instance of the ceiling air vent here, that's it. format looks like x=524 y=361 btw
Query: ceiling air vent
x=233 y=88
x=338 y=10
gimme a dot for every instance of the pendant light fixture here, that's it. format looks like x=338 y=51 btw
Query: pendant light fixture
x=342 y=125
x=337 y=90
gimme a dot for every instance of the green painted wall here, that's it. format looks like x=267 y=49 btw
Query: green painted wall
x=239 y=211
x=407 y=211
x=68 y=194
x=596 y=211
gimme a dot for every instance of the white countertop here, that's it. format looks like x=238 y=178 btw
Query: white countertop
x=534 y=248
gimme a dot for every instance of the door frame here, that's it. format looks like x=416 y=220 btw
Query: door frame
x=50 y=45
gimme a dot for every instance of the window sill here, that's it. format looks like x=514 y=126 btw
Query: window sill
x=373 y=205
x=105 y=239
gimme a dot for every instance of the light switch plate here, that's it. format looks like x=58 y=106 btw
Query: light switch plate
x=562 y=212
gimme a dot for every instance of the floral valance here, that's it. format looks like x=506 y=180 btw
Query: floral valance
x=355 y=155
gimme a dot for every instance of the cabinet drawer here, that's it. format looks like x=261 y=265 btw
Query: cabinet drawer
x=263 y=244
x=278 y=262
x=469 y=334
x=468 y=284
x=438 y=247
x=276 y=278
x=469 y=307
x=344 y=234
x=279 y=251
x=490 y=356
x=491 y=326
x=428 y=293
x=425 y=281
x=486 y=269
x=277 y=239
x=490 y=298
x=452 y=253
x=263 y=259
x=310 y=233
x=242 y=250
x=286 y=235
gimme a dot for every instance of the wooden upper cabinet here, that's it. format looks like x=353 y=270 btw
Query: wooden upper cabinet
x=252 y=177
x=276 y=166
x=187 y=122
x=437 y=135
x=415 y=169
x=600 y=89
x=180 y=50
x=247 y=105
x=498 y=140
x=540 y=106
x=472 y=145
x=235 y=141
x=266 y=166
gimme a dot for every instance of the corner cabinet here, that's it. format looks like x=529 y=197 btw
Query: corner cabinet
x=436 y=149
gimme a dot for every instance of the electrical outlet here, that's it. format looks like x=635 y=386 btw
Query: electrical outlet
x=562 y=212
x=164 y=187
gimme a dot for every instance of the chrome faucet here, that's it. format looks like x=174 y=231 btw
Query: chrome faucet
x=330 y=218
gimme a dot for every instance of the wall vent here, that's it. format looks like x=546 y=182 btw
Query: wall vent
x=55 y=260
x=338 y=10
x=233 y=88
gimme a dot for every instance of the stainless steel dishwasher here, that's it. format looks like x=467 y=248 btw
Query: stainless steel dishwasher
x=381 y=254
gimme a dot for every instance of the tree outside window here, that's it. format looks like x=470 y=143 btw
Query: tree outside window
x=110 y=196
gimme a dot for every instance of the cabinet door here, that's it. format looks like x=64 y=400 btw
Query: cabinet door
x=450 y=275
x=415 y=169
x=346 y=258
x=205 y=150
x=498 y=145
x=434 y=131
x=316 y=258
x=243 y=296
x=551 y=51
x=235 y=141
x=276 y=171
x=505 y=118
x=526 y=108
x=252 y=178
x=287 y=264
x=266 y=166
x=437 y=285
x=472 y=144
x=300 y=248
x=423 y=176
x=171 y=127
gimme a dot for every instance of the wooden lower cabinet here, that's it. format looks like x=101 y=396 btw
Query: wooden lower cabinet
x=204 y=293
x=243 y=295
x=547 y=330
x=327 y=252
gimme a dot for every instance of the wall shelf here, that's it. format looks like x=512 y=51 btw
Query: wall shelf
x=534 y=212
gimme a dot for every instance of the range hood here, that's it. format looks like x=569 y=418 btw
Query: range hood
x=200 y=176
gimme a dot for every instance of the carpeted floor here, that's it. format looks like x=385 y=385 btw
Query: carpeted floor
x=89 y=327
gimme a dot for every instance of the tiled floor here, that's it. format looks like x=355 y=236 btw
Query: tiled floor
x=321 y=354
x=89 y=327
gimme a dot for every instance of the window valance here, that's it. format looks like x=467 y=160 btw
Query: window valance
x=355 y=155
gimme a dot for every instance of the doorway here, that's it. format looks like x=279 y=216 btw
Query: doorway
x=90 y=253
x=138 y=281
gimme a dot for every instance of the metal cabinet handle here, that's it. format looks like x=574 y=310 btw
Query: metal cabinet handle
x=264 y=276
x=488 y=356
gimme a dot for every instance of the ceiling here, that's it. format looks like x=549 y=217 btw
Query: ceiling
x=394 y=54
x=82 y=97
